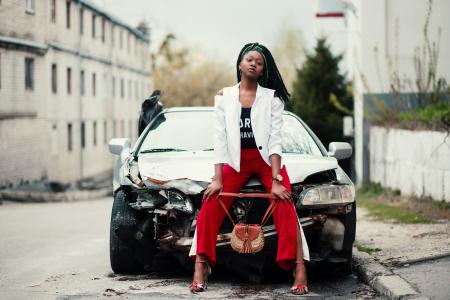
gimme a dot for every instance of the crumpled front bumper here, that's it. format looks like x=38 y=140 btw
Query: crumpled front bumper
x=223 y=240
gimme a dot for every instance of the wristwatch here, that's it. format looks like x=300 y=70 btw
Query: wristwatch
x=278 y=178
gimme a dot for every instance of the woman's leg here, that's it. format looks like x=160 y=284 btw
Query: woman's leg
x=210 y=219
x=211 y=215
x=285 y=220
x=289 y=253
x=300 y=271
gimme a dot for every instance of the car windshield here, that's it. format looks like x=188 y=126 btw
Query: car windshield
x=194 y=131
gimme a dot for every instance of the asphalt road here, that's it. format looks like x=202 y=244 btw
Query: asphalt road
x=431 y=278
x=61 y=251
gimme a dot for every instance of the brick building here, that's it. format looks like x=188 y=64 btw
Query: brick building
x=71 y=77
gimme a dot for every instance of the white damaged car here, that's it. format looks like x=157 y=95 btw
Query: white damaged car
x=159 y=183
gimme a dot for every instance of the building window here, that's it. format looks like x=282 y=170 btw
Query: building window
x=54 y=140
x=122 y=88
x=105 y=132
x=103 y=29
x=69 y=137
x=29 y=73
x=105 y=85
x=112 y=35
x=129 y=89
x=114 y=129
x=128 y=42
x=82 y=135
x=94 y=128
x=53 y=11
x=0 y=70
x=122 y=128
x=29 y=6
x=93 y=25
x=82 y=89
x=114 y=87
x=68 y=13
x=81 y=20
x=54 y=79
x=136 y=90
x=121 y=39
x=93 y=84
x=69 y=81
x=130 y=129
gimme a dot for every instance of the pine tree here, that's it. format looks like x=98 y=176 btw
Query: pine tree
x=321 y=96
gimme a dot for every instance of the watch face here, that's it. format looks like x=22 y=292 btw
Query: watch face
x=279 y=177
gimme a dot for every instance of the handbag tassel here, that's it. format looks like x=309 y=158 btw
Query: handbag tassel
x=247 y=243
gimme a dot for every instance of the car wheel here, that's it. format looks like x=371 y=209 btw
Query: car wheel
x=122 y=257
x=349 y=238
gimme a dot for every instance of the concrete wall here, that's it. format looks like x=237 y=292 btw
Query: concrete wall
x=415 y=162
x=382 y=36
x=23 y=150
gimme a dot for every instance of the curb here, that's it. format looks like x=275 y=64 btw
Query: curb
x=34 y=196
x=421 y=260
x=383 y=280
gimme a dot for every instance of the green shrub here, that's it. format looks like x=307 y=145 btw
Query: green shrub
x=437 y=115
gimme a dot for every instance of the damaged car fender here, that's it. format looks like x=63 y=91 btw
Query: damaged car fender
x=122 y=148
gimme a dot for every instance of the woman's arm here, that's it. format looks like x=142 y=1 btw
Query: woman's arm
x=220 y=147
x=275 y=148
x=276 y=122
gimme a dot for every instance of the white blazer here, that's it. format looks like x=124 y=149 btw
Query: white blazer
x=266 y=121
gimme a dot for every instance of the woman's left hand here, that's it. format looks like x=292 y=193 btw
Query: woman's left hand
x=280 y=191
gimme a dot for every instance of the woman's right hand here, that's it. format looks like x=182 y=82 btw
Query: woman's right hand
x=214 y=187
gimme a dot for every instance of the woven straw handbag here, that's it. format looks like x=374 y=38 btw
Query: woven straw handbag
x=248 y=238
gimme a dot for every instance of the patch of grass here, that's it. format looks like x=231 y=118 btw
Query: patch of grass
x=370 y=190
x=442 y=204
x=367 y=249
x=386 y=204
x=384 y=211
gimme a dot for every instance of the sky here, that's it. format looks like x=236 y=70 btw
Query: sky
x=218 y=28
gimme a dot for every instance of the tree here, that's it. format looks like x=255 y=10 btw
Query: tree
x=185 y=77
x=321 y=95
x=289 y=54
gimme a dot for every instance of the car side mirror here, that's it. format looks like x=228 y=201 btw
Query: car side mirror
x=340 y=150
x=116 y=146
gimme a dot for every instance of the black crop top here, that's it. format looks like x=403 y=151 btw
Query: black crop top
x=247 y=138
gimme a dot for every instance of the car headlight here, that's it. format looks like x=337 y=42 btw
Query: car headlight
x=178 y=201
x=325 y=195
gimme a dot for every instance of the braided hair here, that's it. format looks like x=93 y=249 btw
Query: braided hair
x=271 y=77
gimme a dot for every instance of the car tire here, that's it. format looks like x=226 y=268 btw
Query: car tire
x=122 y=257
x=349 y=238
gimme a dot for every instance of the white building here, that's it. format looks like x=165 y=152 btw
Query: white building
x=71 y=77
x=381 y=37
x=329 y=23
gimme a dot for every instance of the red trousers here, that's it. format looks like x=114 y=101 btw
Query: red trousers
x=211 y=215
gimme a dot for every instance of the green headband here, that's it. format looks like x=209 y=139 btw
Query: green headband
x=258 y=49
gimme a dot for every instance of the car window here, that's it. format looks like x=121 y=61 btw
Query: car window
x=190 y=130
x=295 y=138
x=194 y=131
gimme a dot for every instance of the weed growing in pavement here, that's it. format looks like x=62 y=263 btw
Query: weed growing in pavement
x=367 y=249
x=387 y=204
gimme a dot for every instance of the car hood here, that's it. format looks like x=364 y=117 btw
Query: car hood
x=199 y=165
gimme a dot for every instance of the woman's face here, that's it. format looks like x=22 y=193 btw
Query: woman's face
x=252 y=65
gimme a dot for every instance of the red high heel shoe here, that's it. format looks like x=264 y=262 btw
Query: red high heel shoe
x=197 y=287
x=299 y=289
